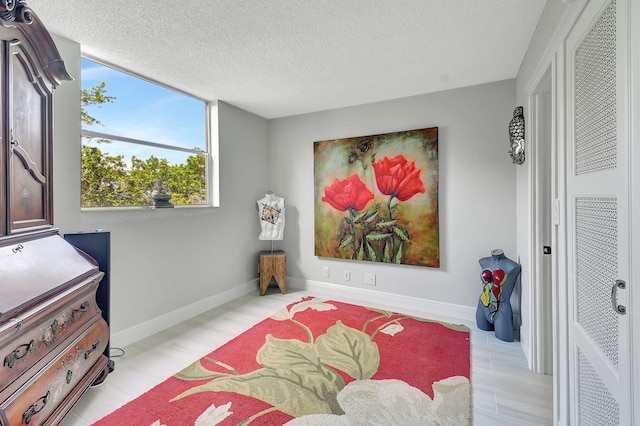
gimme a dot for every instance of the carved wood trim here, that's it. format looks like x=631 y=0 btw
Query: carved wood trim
x=27 y=162
x=15 y=14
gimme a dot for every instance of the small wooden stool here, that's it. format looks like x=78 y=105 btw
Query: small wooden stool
x=273 y=264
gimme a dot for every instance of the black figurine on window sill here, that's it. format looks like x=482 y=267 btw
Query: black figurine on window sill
x=160 y=196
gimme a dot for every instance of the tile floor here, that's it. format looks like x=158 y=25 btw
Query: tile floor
x=505 y=392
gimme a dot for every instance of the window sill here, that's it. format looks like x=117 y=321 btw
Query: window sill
x=143 y=209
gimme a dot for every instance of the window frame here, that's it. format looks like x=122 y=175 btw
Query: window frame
x=211 y=152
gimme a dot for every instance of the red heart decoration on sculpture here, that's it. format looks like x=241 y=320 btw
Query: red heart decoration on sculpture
x=486 y=276
x=496 y=289
x=498 y=276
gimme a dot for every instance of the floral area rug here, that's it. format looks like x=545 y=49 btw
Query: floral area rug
x=320 y=362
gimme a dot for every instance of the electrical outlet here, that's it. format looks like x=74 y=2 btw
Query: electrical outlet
x=370 y=279
x=325 y=271
x=346 y=276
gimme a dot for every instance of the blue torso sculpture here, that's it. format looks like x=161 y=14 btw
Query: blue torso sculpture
x=499 y=275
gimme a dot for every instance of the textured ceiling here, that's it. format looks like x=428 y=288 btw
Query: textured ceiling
x=285 y=57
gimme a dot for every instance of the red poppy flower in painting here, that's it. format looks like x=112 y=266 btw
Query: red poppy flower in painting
x=349 y=193
x=398 y=177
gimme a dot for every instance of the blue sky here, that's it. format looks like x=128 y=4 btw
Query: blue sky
x=144 y=111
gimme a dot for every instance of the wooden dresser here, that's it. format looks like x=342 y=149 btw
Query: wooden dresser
x=52 y=334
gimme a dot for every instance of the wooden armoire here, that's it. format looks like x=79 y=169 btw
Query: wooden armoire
x=52 y=334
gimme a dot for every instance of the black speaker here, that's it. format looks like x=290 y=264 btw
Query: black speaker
x=97 y=244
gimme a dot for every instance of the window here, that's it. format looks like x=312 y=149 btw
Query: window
x=135 y=133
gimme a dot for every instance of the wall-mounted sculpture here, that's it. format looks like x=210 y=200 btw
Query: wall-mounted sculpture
x=516 y=136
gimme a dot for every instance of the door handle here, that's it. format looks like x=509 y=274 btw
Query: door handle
x=621 y=309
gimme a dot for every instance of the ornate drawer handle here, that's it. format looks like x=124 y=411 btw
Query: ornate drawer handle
x=77 y=312
x=19 y=352
x=54 y=326
x=93 y=348
x=69 y=376
x=18 y=248
x=35 y=408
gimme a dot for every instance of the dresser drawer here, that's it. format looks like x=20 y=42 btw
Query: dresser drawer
x=29 y=338
x=44 y=394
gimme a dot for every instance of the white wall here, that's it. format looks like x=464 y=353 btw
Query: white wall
x=167 y=264
x=164 y=260
x=477 y=187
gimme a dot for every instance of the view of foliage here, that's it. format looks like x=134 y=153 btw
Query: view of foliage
x=107 y=181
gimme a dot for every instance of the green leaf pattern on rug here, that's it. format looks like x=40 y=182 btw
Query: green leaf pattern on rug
x=196 y=371
x=300 y=378
x=349 y=350
x=293 y=380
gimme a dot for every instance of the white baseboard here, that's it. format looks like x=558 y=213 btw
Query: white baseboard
x=398 y=303
x=162 y=322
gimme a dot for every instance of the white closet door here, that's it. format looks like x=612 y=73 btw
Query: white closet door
x=598 y=215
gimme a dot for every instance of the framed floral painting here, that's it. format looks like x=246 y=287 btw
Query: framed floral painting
x=376 y=198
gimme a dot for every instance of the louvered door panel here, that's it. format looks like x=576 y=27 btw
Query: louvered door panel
x=598 y=216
